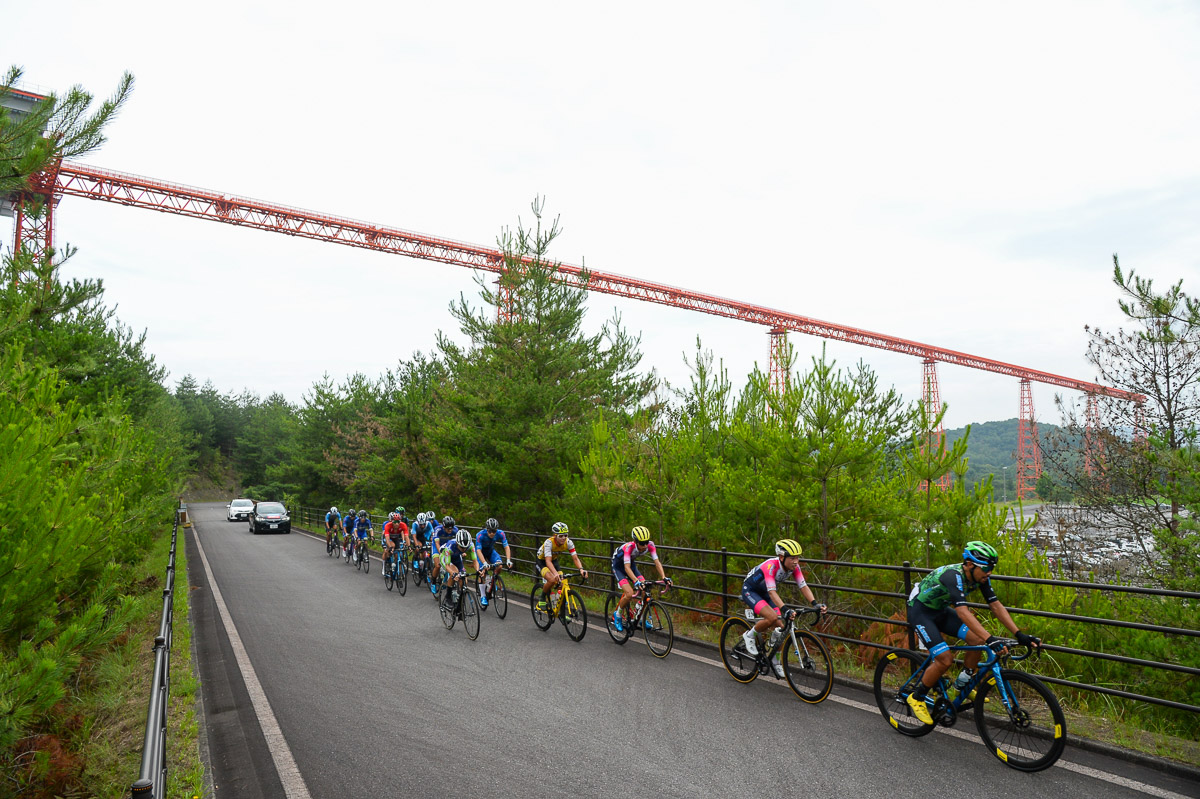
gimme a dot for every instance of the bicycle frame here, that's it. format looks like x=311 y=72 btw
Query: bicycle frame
x=990 y=666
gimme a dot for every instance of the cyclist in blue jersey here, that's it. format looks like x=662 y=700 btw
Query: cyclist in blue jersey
x=760 y=591
x=422 y=533
x=488 y=558
x=441 y=536
x=451 y=555
x=938 y=604
x=363 y=531
x=333 y=523
x=625 y=570
x=348 y=538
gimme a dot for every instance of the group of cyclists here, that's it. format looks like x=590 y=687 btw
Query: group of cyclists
x=936 y=606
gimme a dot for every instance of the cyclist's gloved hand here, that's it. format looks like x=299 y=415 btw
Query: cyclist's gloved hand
x=668 y=581
x=639 y=584
x=1025 y=639
x=789 y=614
x=995 y=644
x=819 y=605
x=508 y=563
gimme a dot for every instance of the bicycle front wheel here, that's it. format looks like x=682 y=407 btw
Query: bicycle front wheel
x=499 y=597
x=389 y=579
x=610 y=607
x=1020 y=721
x=741 y=665
x=402 y=576
x=470 y=614
x=896 y=676
x=807 y=666
x=366 y=560
x=541 y=615
x=574 y=615
x=447 y=608
x=329 y=545
x=657 y=629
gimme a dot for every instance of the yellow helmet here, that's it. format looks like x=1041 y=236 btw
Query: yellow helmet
x=786 y=547
x=641 y=534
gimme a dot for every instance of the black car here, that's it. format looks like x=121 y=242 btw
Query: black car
x=270 y=517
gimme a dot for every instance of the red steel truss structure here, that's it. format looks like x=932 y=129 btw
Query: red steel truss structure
x=1029 y=450
x=931 y=398
x=779 y=361
x=79 y=180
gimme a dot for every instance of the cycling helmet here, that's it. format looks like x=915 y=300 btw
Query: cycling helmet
x=982 y=554
x=447 y=521
x=350 y=512
x=420 y=518
x=641 y=534
x=333 y=510
x=463 y=539
x=492 y=525
x=787 y=547
x=399 y=510
x=362 y=513
x=393 y=517
x=559 y=528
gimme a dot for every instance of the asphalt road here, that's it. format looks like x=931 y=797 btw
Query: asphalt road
x=374 y=696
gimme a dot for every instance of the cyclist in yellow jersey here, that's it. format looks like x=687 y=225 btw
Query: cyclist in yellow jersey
x=548 y=553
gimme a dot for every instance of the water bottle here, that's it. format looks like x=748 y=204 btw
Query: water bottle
x=960 y=682
x=776 y=634
x=637 y=608
x=554 y=600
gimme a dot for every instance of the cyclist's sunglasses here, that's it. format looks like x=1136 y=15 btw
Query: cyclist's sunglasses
x=986 y=568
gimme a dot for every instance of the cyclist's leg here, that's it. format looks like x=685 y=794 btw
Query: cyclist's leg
x=928 y=627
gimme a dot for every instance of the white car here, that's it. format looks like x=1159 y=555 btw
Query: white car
x=240 y=509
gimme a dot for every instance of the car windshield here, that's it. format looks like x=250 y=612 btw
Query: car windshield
x=270 y=507
x=242 y=503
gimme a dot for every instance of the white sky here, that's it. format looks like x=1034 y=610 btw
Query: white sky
x=944 y=172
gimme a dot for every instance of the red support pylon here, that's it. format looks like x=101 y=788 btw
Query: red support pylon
x=1029 y=451
x=779 y=360
x=932 y=400
x=1093 y=449
x=34 y=212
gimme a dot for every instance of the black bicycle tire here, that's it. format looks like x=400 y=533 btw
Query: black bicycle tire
x=891 y=704
x=619 y=637
x=448 y=612
x=539 y=617
x=388 y=578
x=732 y=631
x=1057 y=735
x=817 y=649
x=499 y=597
x=573 y=609
x=659 y=612
x=471 y=613
x=402 y=577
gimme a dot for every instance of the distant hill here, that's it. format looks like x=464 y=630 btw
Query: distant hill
x=992 y=446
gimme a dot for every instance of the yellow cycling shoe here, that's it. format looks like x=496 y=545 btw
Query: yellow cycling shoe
x=917 y=706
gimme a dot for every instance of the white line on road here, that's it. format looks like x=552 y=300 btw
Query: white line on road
x=293 y=784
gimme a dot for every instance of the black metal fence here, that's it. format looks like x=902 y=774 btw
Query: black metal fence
x=152 y=781
x=714 y=593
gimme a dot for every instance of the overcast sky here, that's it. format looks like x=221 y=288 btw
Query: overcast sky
x=958 y=174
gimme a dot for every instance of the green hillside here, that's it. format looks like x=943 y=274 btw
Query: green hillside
x=991 y=447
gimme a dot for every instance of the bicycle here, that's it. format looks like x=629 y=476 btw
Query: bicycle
x=644 y=611
x=362 y=556
x=333 y=543
x=395 y=569
x=420 y=572
x=497 y=595
x=806 y=662
x=1016 y=715
x=466 y=607
x=565 y=604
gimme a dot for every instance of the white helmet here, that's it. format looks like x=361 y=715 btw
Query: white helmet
x=333 y=510
x=464 y=539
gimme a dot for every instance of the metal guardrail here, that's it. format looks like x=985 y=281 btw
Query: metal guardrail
x=601 y=549
x=152 y=781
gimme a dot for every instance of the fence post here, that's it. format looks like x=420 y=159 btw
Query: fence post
x=612 y=578
x=724 y=581
x=912 y=636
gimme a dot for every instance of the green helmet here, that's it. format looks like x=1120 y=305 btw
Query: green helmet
x=981 y=554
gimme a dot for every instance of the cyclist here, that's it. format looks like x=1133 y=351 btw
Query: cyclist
x=395 y=535
x=760 y=591
x=333 y=523
x=421 y=535
x=488 y=558
x=548 y=553
x=938 y=604
x=625 y=569
x=404 y=518
x=363 y=529
x=443 y=535
x=452 y=555
x=348 y=529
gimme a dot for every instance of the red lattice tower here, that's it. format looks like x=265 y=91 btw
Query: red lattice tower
x=1029 y=451
x=504 y=308
x=34 y=212
x=779 y=360
x=1093 y=448
x=932 y=400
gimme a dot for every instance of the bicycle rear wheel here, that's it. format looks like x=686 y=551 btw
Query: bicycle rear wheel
x=447 y=608
x=610 y=607
x=471 y=613
x=807 y=667
x=499 y=597
x=541 y=616
x=574 y=615
x=658 y=629
x=1023 y=724
x=896 y=676
x=741 y=665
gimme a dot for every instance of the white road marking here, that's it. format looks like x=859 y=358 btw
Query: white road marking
x=293 y=784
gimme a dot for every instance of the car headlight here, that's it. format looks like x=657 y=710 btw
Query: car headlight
x=285 y=518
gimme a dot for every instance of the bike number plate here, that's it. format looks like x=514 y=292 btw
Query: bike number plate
x=749 y=613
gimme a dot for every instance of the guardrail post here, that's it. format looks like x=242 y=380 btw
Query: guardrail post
x=912 y=636
x=612 y=578
x=724 y=581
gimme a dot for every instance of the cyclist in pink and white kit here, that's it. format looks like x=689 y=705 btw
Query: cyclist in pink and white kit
x=625 y=569
x=761 y=592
